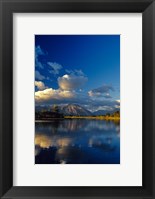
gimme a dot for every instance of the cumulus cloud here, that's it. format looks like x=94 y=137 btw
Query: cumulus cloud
x=71 y=82
x=55 y=67
x=64 y=94
x=38 y=52
x=52 y=94
x=102 y=91
x=39 y=76
x=40 y=85
x=58 y=96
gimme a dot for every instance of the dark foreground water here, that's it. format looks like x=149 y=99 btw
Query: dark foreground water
x=77 y=141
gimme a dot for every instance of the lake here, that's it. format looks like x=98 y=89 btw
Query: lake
x=77 y=141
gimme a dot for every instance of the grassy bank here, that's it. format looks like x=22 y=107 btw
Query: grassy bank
x=93 y=117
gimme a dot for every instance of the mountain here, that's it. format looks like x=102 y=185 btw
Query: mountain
x=43 y=108
x=75 y=110
x=70 y=109
x=100 y=112
x=104 y=112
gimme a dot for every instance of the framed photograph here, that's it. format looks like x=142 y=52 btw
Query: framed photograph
x=77 y=99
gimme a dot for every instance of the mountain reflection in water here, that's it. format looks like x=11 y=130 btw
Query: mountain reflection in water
x=77 y=141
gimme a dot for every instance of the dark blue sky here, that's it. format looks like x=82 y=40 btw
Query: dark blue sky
x=94 y=60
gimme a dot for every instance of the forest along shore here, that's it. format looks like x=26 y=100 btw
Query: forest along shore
x=48 y=115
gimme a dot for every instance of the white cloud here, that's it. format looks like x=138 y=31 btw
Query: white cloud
x=102 y=91
x=92 y=94
x=75 y=72
x=117 y=106
x=49 y=94
x=71 y=82
x=38 y=52
x=40 y=85
x=39 y=76
x=55 y=67
x=59 y=96
x=107 y=95
x=39 y=64
x=99 y=94
x=118 y=101
x=79 y=72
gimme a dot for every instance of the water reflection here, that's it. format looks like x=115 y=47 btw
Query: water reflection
x=77 y=141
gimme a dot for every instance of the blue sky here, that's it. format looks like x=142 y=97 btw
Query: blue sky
x=83 y=69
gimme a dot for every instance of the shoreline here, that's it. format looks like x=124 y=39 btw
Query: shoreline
x=91 y=117
x=80 y=117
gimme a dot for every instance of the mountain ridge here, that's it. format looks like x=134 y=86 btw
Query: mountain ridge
x=72 y=109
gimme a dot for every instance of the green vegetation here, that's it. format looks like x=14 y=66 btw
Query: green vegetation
x=55 y=109
x=50 y=114
x=108 y=116
x=54 y=113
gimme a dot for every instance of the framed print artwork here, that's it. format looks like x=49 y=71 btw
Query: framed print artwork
x=77 y=99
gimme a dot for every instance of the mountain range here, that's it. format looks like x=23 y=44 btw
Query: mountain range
x=73 y=109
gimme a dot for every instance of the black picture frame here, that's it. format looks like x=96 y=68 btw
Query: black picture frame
x=7 y=8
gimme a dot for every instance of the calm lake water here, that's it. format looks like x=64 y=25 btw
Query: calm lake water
x=77 y=141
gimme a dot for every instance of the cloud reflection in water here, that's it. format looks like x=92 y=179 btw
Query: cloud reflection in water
x=76 y=141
